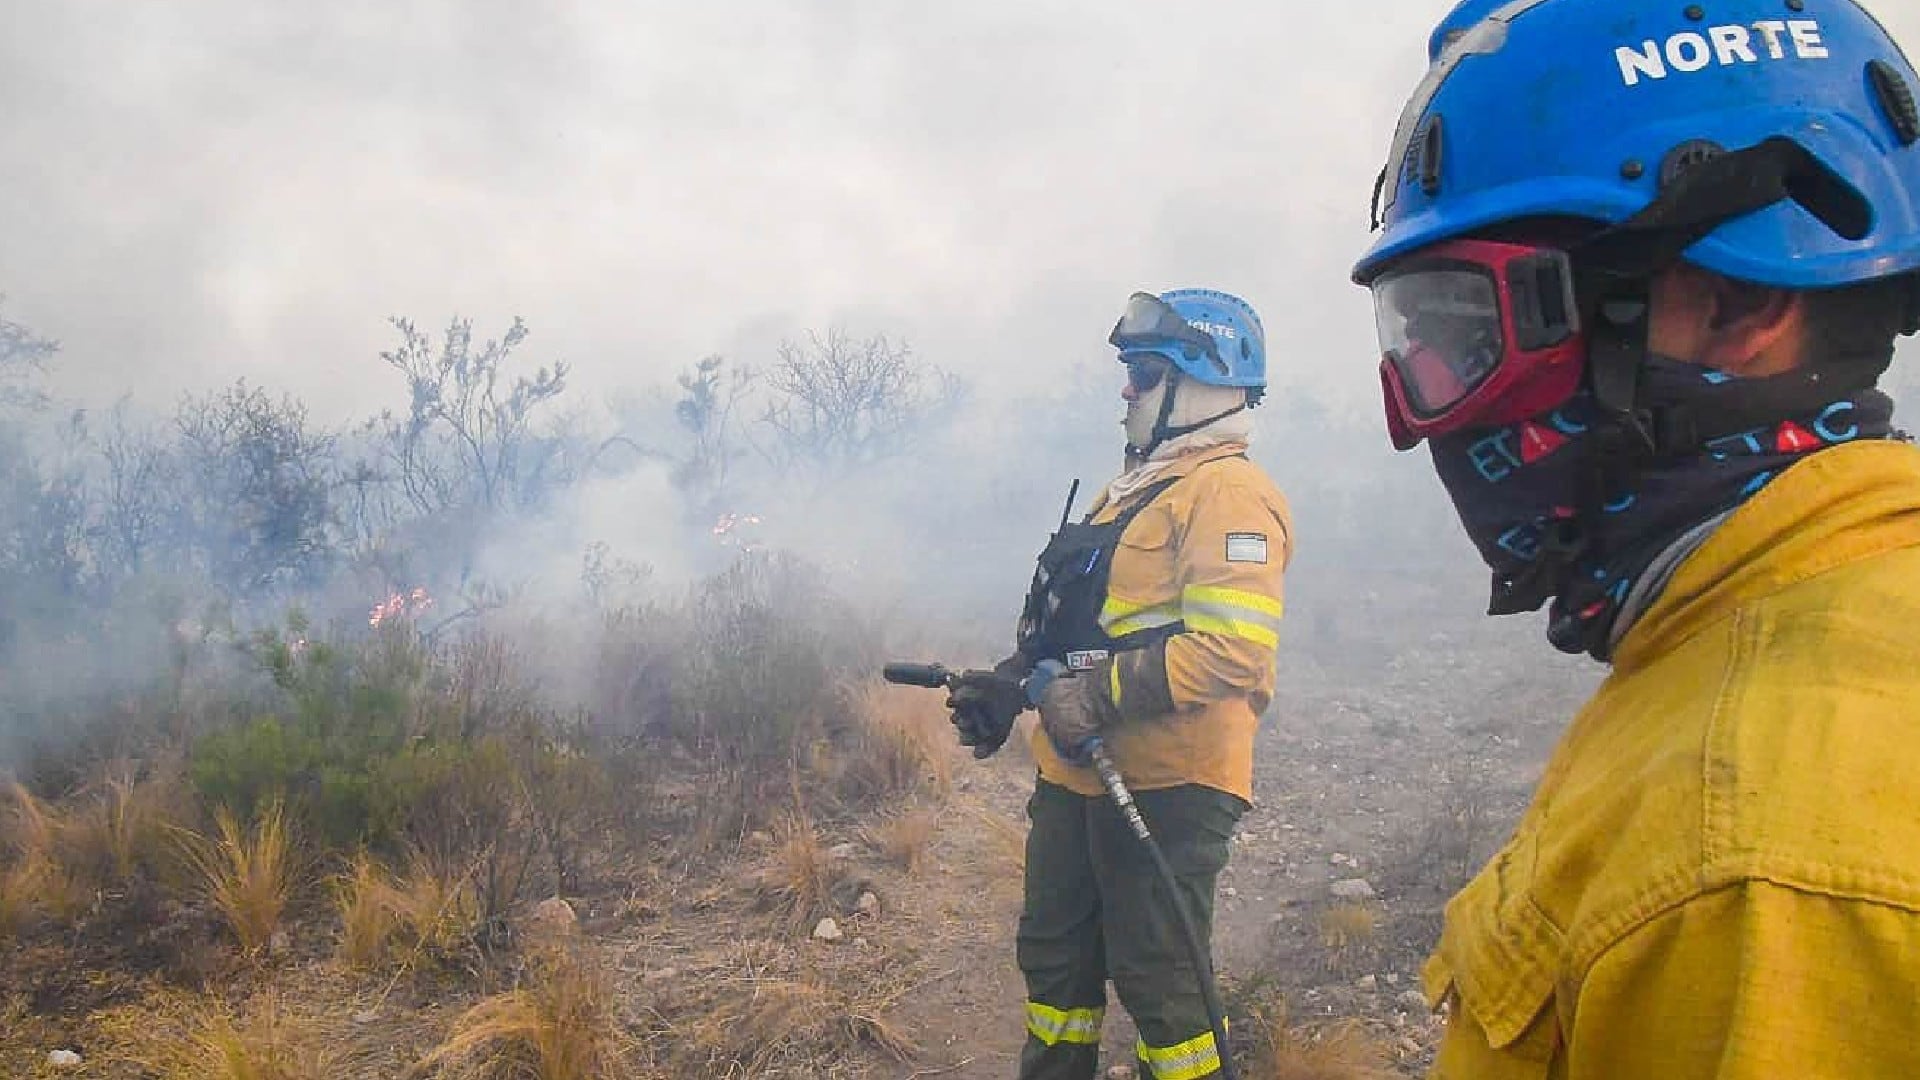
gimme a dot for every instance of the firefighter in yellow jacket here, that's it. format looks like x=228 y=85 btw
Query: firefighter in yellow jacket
x=1640 y=328
x=1152 y=626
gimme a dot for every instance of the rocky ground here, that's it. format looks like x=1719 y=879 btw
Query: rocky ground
x=1384 y=778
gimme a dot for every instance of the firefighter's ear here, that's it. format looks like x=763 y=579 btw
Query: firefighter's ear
x=1733 y=326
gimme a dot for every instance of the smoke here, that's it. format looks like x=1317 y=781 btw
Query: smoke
x=217 y=191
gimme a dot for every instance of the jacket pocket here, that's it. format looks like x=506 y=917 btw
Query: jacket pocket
x=1498 y=965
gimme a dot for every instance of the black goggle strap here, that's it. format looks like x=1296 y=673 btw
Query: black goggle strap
x=1616 y=264
x=1714 y=190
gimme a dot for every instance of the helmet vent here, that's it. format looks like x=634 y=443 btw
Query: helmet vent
x=1686 y=156
x=1896 y=98
x=1422 y=164
x=1432 y=145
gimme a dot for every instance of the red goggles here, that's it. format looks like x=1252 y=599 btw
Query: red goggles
x=1476 y=333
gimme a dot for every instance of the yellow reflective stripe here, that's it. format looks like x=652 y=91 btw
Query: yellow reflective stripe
x=1257 y=603
x=1053 y=1026
x=1147 y=619
x=1190 y=1060
x=1113 y=684
x=1210 y=609
x=1115 y=608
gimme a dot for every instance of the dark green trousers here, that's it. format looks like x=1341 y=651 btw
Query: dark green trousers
x=1097 y=911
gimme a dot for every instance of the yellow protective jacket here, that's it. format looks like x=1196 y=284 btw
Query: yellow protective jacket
x=1719 y=875
x=1209 y=552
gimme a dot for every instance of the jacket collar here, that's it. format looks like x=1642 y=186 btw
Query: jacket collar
x=1835 y=508
x=1152 y=472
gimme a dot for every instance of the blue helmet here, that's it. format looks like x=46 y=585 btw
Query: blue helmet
x=1584 y=108
x=1462 y=18
x=1210 y=336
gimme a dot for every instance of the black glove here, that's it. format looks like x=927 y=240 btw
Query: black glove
x=986 y=703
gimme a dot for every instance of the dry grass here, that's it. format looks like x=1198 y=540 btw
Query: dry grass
x=118 y=826
x=37 y=880
x=764 y=1011
x=800 y=879
x=902 y=745
x=1342 y=1050
x=183 y=1036
x=1348 y=931
x=560 y=1026
x=422 y=910
x=248 y=875
x=906 y=839
x=270 y=1045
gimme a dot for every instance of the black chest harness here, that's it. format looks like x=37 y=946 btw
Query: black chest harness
x=1061 y=619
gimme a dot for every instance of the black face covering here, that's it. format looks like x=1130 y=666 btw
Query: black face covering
x=1518 y=489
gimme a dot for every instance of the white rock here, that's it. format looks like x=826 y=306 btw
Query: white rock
x=842 y=851
x=63 y=1059
x=1338 y=859
x=868 y=904
x=1353 y=889
x=1412 y=1001
x=827 y=930
x=1230 y=892
x=1365 y=982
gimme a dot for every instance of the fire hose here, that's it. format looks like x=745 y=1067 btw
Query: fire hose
x=938 y=677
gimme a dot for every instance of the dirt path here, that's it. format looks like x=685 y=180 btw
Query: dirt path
x=1406 y=772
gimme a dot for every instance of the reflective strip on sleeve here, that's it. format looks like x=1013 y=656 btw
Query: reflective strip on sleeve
x=1119 y=618
x=1054 y=1026
x=1212 y=609
x=1190 y=1060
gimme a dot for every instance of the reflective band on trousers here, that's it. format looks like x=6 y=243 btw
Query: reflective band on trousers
x=1190 y=1060
x=1053 y=1026
x=1211 y=609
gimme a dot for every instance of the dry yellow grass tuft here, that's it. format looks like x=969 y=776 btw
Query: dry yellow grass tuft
x=1347 y=931
x=37 y=880
x=560 y=1026
x=906 y=839
x=182 y=1036
x=903 y=746
x=801 y=876
x=268 y=1046
x=20 y=887
x=249 y=875
x=369 y=917
x=764 y=1010
x=422 y=910
x=1338 y=1051
x=119 y=823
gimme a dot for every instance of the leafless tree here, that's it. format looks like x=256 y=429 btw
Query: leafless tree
x=254 y=491
x=841 y=402
x=23 y=355
x=710 y=393
x=140 y=471
x=467 y=440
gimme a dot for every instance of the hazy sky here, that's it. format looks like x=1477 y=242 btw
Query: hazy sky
x=200 y=189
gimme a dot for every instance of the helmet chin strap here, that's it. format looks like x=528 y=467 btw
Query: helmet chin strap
x=1163 y=429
